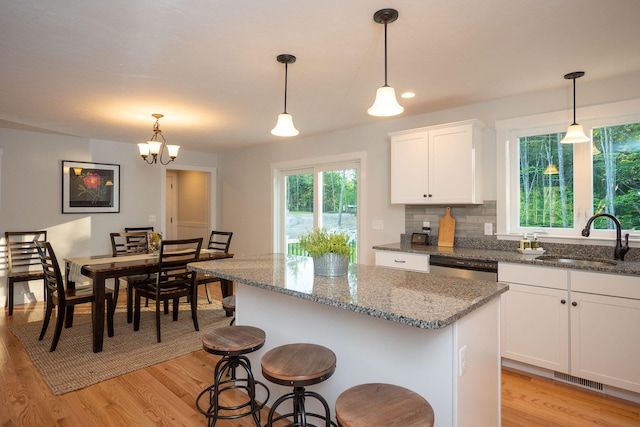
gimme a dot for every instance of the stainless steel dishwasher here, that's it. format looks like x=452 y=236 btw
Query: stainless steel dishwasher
x=464 y=268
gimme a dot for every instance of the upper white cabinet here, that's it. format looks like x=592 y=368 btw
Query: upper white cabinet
x=437 y=164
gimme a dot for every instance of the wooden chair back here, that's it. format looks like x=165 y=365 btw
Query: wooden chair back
x=123 y=243
x=22 y=255
x=23 y=262
x=173 y=259
x=220 y=240
x=51 y=269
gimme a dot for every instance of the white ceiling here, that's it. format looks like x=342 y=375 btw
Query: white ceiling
x=99 y=69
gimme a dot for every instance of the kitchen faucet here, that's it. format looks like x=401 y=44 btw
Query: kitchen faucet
x=619 y=250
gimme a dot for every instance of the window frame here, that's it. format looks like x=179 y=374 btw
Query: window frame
x=508 y=133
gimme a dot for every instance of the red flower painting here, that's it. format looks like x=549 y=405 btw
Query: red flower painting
x=92 y=186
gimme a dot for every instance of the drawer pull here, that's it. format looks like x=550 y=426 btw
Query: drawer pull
x=399 y=261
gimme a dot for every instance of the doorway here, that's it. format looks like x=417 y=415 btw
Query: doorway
x=189 y=200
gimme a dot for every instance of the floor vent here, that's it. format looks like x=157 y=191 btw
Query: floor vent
x=579 y=381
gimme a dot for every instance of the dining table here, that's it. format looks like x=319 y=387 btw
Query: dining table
x=99 y=268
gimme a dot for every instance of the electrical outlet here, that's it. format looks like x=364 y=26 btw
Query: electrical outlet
x=426 y=224
x=462 y=360
x=488 y=229
x=377 y=224
x=152 y=218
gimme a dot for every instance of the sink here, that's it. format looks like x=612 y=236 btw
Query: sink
x=578 y=261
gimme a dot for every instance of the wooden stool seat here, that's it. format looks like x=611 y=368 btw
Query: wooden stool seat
x=298 y=364
x=232 y=372
x=233 y=340
x=229 y=305
x=382 y=405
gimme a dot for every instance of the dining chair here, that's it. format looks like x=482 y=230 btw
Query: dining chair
x=59 y=295
x=129 y=243
x=173 y=280
x=218 y=241
x=23 y=262
x=138 y=229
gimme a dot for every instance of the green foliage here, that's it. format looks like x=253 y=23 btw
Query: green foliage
x=547 y=200
x=320 y=241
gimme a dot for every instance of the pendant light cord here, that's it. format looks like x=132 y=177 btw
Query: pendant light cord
x=385 y=52
x=286 y=74
x=574 y=101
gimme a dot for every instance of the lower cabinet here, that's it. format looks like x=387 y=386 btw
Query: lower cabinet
x=574 y=322
x=534 y=326
x=605 y=344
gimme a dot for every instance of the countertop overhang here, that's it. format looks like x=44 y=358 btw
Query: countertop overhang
x=621 y=267
x=411 y=298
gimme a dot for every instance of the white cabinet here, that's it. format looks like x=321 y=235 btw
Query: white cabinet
x=571 y=321
x=534 y=327
x=403 y=260
x=437 y=164
x=605 y=345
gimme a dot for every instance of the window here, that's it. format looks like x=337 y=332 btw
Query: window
x=553 y=188
x=616 y=174
x=323 y=195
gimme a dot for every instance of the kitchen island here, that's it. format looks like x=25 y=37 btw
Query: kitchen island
x=438 y=336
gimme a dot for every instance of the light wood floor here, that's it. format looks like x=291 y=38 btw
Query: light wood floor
x=162 y=395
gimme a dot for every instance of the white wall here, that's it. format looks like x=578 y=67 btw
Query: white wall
x=244 y=175
x=31 y=185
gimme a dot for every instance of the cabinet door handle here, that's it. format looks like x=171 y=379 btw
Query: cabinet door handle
x=425 y=196
x=575 y=304
x=563 y=301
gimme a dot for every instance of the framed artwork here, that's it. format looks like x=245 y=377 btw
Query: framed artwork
x=90 y=187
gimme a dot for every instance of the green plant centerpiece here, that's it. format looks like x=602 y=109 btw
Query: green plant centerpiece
x=330 y=251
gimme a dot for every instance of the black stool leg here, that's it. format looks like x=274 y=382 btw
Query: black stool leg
x=228 y=366
x=299 y=414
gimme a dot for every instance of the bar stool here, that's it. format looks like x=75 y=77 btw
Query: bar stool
x=232 y=342
x=299 y=365
x=382 y=405
x=229 y=305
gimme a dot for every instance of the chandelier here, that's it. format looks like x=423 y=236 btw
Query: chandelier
x=155 y=147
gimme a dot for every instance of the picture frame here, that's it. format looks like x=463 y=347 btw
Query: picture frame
x=90 y=187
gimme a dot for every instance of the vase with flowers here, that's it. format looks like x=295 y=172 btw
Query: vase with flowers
x=153 y=241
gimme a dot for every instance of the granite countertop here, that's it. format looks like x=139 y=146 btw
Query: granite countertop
x=411 y=298
x=621 y=267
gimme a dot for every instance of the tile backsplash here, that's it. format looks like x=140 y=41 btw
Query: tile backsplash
x=469 y=231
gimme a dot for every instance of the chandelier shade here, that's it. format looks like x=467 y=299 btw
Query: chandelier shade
x=156 y=147
x=284 y=125
x=575 y=133
x=385 y=104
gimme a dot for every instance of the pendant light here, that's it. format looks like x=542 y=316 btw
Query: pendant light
x=575 y=133
x=386 y=104
x=155 y=147
x=284 y=126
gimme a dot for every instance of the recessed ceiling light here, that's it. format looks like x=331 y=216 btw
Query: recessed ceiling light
x=408 y=95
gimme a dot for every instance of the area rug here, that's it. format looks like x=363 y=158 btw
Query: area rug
x=74 y=365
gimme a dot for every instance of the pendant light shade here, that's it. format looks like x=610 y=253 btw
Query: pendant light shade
x=575 y=134
x=551 y=170
x=385 y=104
x=284 y=126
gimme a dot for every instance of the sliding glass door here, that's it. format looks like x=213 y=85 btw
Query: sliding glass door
x=319 y=197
